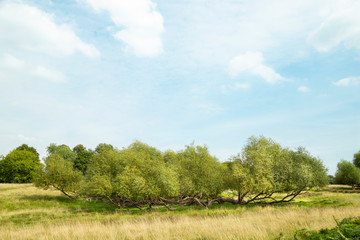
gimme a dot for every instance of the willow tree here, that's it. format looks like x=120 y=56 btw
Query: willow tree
x=251 y=172
x=59 y=172
x=200 y=175
x=135 y=176
x=264 y=168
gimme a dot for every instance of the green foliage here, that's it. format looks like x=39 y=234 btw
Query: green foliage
x=348 y=228
x=142 y=175
x=83 y=158
x=310 y=171
x=356 y=159
x=18 y=166
x=62 y=150
x=264 y=168
x=347 y=173
x=59 y=173
x=103 y=147
x=133 y=176
x=200 y=174
x=27 y=148
x=253 y=168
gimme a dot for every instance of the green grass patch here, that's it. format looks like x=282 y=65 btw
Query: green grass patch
x=23 y=204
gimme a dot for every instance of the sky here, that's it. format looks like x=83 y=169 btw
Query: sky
x=170 y=73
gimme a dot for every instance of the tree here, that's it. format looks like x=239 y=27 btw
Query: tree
x=315 y=174
x=101 y=147
x=252 y=173
x=135 y=176
x=264 y=168
x=59 y=173
x=356 y=159
x=19 y=166
x=83 y=158
x=27 y=148
x=62 y=150
x=347 y=173
x=200 y=175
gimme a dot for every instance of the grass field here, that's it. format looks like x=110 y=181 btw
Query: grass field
x=29 y=213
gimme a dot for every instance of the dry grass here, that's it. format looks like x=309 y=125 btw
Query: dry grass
x=265 y=224
x=222 y=223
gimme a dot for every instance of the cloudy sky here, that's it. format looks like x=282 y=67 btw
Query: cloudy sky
x=172 y=72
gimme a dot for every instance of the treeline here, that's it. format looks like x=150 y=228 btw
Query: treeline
x=141 y=175
x=348 y=172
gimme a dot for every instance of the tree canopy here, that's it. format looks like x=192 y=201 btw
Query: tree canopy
x=134 y=176
x=59 y=173
x=356 y=159
x=19 y=165
x=347 y=173
x=264 y=168
x=83 y=158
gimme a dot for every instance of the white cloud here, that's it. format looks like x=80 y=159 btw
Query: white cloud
x=341 y=26
x=252 y=62
x=349 y=81
x=49 y=74
x=11 y=62
x=26 y=139
x=30 y=28
x=304 y=89
x=142 y=24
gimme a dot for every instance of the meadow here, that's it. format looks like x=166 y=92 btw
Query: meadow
x=30 y=213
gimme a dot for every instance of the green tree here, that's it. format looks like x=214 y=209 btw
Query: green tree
x=19 y=166
x=101 y=147
x=134 y=176
x=200 y=175
x=347 y=173
x=264 y=168
x=62 y=150
x=251 y=173
x=356 y=159
x=312 y=171
x=59 y=173
x=83 y=158
x=28 y=148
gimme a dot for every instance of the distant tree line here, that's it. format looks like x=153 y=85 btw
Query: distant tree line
x=348 y=172
x=141 y=175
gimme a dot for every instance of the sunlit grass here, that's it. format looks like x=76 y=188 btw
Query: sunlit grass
x=30 y=213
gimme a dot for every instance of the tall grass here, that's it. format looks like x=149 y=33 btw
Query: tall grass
x=29 y=213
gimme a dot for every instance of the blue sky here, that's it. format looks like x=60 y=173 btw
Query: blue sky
x=172 y=72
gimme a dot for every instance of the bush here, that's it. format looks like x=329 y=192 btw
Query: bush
x=348 y=228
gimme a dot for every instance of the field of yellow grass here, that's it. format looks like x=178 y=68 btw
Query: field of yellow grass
x=30 y=213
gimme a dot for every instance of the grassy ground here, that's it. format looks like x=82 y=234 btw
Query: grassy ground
x=30 y=213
